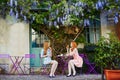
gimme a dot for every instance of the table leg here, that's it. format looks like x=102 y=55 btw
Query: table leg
x=19 y=60
x=16 y=64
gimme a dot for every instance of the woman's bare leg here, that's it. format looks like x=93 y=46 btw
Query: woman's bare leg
x=69 y=68
x=73 y=67
x=53 y=68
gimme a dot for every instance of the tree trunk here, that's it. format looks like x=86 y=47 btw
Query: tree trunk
x=118 y=29
x=59 y=47
x=60 y=38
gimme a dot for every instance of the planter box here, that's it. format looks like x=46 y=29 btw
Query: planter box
x=112 y=74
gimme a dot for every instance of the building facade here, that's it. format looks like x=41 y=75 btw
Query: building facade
x=18 y=38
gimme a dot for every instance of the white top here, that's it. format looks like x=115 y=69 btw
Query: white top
x=47 y=59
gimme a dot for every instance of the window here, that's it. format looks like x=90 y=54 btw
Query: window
x=92 y=32
x=110 y=20
x=38 y=39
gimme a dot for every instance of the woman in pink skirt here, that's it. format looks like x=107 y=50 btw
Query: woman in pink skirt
x=76 y=61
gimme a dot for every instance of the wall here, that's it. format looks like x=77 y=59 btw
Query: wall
x=107 y=25
x=18 y=40
x=14 y=38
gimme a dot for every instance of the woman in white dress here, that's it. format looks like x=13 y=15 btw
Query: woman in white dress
x=46 y=54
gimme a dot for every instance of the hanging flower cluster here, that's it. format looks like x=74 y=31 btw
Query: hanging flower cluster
x=67 y=13
x=61 y=12
x=20 y=9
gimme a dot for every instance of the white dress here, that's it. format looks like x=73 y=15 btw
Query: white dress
x=46 y=60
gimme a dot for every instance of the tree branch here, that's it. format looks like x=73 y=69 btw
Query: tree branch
x=80 y=31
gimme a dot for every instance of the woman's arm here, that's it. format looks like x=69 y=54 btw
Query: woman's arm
x=42 y=53
x=74 y=51
x=49 y=52
x=67 y=48
x=71 y=52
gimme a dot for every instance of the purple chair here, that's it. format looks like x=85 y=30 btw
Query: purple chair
x=16 y=64
x=44 y=68
x=4 y=65
x=91 y=66
x=27 y=65
x=4 y=56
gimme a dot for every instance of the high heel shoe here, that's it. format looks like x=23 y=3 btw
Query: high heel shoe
x=50 y=77
x=74 y=75
x=68 y=75
x=53 y=76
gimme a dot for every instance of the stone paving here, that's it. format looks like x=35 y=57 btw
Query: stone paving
x=46 y=77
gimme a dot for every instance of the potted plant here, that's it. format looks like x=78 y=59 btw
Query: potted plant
x=107 y=56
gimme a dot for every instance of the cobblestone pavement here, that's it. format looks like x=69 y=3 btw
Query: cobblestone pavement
x=46 y=77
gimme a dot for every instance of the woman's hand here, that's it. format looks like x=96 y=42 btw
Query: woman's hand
x=44 y=56
x=50 y=55
x=67 y=46
x=67 y=54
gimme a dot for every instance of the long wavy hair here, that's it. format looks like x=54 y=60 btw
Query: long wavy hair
x=45 y=46
x=74 y=45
